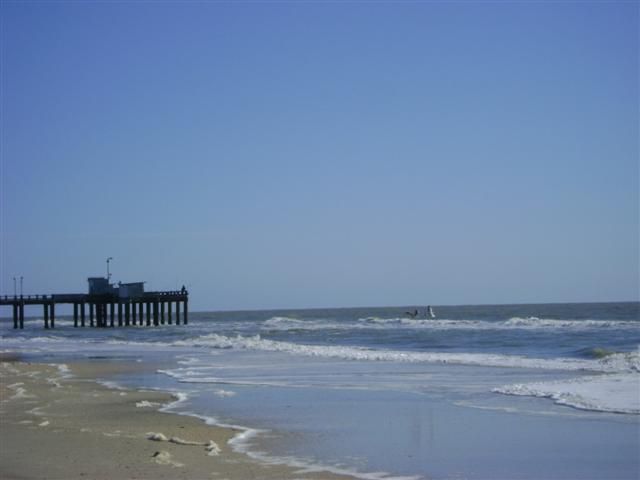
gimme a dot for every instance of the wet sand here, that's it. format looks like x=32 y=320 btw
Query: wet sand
x=56 y=425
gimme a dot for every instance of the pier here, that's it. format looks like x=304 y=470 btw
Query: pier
x=107 y=306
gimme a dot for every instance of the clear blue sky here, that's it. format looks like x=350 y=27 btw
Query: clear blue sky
x=301 y=154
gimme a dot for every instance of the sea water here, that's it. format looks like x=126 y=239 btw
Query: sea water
x=509 y=391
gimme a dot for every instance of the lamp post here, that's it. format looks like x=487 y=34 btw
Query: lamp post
x=108 y=274
x=15 y=293
x=21 y=285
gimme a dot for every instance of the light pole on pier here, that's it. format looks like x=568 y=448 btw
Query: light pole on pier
x=108 y=274
x=15 y=293
x=21 y=285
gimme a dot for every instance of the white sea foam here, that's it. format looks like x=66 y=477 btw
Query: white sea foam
x=63 y=369
x=514 y=323
x=64 y=372
x=618 y=393
x=46 y=339
x=277 y=321
x=111 y=385
x=20 y=392
x=224 y=393
x=611 y=363
x=540 y=323
x=286 y=323
x=190 y=375
x=186 y=360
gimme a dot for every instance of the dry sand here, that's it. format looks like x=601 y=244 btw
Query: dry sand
x=56 y=426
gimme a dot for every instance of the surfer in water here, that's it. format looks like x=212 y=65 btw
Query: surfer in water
x=413 y=314
x=428 y=313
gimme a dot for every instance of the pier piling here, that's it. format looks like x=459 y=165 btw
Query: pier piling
x=186 y=309
x=127 y=314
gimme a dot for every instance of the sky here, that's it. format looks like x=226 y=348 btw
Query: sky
x=322 y=154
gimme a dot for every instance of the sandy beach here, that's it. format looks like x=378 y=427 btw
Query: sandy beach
x=58 y=422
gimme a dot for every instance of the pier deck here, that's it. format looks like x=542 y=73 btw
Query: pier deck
x=106 y=310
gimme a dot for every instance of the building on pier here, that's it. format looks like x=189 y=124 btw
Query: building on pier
x=100 y=286
x=130 y=290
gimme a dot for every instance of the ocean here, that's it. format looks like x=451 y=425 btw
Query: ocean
x=478 y=392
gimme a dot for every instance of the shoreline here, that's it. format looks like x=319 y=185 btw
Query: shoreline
x=58 y=421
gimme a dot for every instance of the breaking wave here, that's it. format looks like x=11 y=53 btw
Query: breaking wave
x=535 y=322
x=514 y=323
x=616 y=393
x=620 y=362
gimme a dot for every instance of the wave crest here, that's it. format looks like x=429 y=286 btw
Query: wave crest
x=616 y=393
x=621 y=362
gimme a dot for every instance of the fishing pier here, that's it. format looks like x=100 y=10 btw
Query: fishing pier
x=108 y=306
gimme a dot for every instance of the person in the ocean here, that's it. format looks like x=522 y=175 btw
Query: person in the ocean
x=413 y=314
